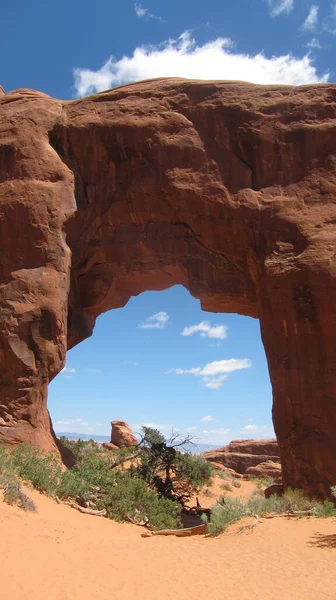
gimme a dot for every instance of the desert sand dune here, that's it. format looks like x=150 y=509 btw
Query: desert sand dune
x=60 y=554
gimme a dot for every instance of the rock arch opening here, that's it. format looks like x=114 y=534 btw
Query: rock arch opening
x=164 y=361
x=225 y=188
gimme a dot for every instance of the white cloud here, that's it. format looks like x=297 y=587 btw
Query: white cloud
x=329 y=23
x=311 y=21
x=160 y=427
x=93 y=370
x=157 y=321
x=218 y=332
x=257 y=430
x=143 y=13
x=215 y=59
x=207 y=419
x=132 y=363
x=280 y=7
x=249 y=427
x=215 y=436
x=73 y=425
x=314 y=43
x=214 y=374
x=68 y=370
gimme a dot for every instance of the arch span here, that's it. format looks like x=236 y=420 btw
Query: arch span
x=227 y=188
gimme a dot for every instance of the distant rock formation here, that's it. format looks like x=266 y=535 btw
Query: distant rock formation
x=264 y=470
x=122 y=435
x=239 y=455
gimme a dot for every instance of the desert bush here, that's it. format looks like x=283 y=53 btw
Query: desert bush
x=129 y=499
x=262 y=481
x=229 y=510
x=224 y=475
x=14 y=495
x=73 y=485
x=236 y=483
x=81 y=447
x=43 y=471
x=225 y=514
x=226 y=487
x=208 y=493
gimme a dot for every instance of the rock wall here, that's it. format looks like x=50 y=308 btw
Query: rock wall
x=239 y=455
x=226 y=188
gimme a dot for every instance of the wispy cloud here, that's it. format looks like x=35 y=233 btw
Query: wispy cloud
x=314 y=43
x=280 y=7
x=257 y=430
x=204 y=328
x=207 y=419
x=157 y=321
x=93 y=370
x=143 y=13
x=160 y=427
x=218 y=435
x=216 y=59
x=311 y=21
x=329 y=23
x=72 y=425
x=215 y=373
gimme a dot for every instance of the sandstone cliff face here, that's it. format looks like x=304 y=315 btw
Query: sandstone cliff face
x=226 y=188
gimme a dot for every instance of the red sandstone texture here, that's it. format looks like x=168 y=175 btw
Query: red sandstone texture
x=264 y=470
x=239 y=455
x=122 y=434
x=224 y=187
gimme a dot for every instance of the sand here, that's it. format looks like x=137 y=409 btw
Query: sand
x=60 y=554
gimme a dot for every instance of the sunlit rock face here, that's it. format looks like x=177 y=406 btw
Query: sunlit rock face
x=224 y=187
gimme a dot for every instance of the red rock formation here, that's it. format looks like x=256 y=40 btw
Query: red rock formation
x=226 y=188
x=239 y=455
x=260 y=447
x=122 y=434
x=109 y=446
x=264 y=470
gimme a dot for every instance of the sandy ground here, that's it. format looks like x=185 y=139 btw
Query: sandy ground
x=60 y=554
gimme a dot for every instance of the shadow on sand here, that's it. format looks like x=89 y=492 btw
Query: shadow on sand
x=323 y=541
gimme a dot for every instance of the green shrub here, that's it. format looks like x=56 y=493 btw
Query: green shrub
x=262 y=481
x=226 y=487
x=236 y=483
x=231 y=509
x=42 y=470
x=225 y=514
x=129 y=499
x=72 y=485
x=15 y=496
x=194 y=468
x=224 y=475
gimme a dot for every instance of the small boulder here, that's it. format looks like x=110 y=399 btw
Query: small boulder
x=109 y=446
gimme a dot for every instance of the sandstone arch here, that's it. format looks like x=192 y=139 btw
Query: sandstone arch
x=227 y=188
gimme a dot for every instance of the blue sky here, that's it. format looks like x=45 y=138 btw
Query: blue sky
x=160 y=359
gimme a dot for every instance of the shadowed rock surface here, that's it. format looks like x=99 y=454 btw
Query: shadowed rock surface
x=224 y=187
